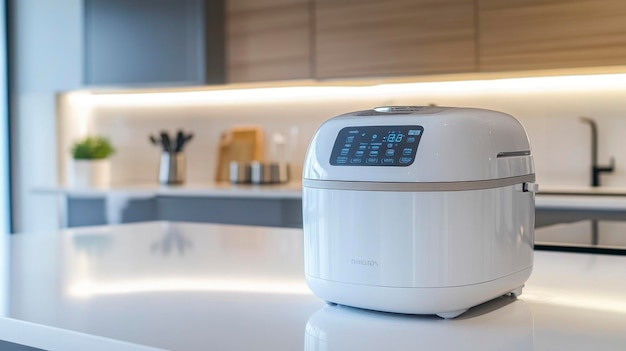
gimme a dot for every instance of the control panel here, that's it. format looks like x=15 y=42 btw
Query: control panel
x=376 y=146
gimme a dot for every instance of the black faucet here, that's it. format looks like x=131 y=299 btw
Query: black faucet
x=595 y=169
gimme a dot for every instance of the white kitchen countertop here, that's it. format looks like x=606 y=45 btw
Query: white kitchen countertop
x=582 y=190
x=183 y=286
x=291 y=190
x=581 y=198
x=580 y=202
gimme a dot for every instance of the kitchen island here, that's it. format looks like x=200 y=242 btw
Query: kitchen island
x=190 y=286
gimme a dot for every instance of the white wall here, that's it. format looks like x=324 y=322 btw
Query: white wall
x=46 y=56
x=549 y=108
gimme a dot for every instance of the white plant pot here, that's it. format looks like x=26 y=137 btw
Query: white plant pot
x=89 y=173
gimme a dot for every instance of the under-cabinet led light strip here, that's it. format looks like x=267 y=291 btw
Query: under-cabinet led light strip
x=256 y=95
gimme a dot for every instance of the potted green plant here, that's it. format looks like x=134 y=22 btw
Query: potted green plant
x=90 y=165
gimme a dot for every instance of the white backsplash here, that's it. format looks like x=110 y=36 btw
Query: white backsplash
x=549 y=110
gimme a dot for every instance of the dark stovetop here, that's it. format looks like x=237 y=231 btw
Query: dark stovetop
x=597 y=235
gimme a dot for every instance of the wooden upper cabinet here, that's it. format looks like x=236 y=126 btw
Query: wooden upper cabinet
x=268 y=40
x=542 y=34
x=360 y=38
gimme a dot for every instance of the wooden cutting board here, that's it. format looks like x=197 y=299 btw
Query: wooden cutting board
x=241 y=144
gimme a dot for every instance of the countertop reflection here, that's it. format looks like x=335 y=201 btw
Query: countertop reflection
x=184 y=286
x=501 y=324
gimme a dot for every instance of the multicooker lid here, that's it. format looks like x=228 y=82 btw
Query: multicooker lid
x=419 y=144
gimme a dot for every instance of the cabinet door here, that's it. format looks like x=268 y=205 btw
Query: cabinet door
x=268 y=40
x=540 y=34
x=153 y=41
x=358 y=38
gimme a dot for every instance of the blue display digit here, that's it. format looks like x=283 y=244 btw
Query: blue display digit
x=399 y=137
x=391 y=138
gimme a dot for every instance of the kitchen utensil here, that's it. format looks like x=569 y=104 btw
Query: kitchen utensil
x=424 y=210
x=181 y=140
x=165 y=141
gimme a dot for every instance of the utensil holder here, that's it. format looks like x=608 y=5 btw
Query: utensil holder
x=172 y=168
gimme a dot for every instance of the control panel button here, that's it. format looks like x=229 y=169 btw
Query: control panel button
x=407 y=151
x=373 y=153
x=359 y=153
x=350 y=139
x=406 y=160
x=390 y=152
x=371 y=160
x=344 y=151
x=356 y=160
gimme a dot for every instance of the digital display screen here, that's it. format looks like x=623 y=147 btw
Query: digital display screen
x=376 y=146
